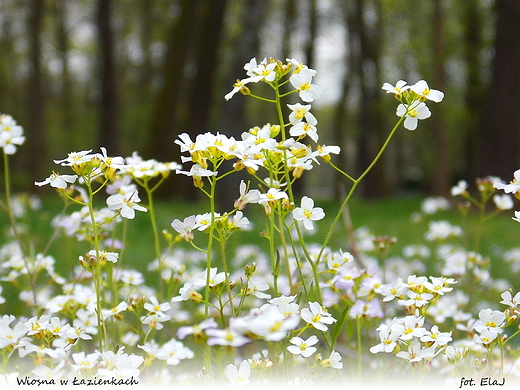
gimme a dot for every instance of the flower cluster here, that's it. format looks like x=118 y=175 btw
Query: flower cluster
x=11 y=134
x=412 y=99
x=299 y=301
x=512 y=188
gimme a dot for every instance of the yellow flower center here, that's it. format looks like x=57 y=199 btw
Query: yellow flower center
x=305 y=87
x=299 y=113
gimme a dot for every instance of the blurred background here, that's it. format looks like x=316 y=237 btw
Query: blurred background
x=132 y=75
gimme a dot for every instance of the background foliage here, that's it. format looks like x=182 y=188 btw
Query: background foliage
x=133 y=75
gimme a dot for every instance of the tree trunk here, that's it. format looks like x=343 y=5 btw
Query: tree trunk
x=441 y=183
x=310 y=45
x=474 y=94
x=108 y=128
x=372 y=135
x=35 y=98
x=233 y=111
x=339 y=127
x=499 y=133
x=164 y=125
x=66 y=99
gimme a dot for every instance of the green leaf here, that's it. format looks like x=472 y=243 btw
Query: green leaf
x=339 y=326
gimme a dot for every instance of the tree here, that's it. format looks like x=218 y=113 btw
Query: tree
x=233 y=112
x=441 y=182
x=366 y=67
x=164 y=120
x=108 y=127
x=35 y=96
x=472 y=20
x=499 y=133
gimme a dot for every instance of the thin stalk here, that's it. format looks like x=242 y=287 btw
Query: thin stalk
x=213 y=183
x=359 y=347
x=18 y=238
x=356 y=183
x=157 y=244
x=224 y=265
x=97 y=273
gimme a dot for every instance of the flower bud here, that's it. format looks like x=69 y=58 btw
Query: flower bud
x=275 y=130
x=245 y=90
x=197 y=182
x=298 y=172
x=195 y=296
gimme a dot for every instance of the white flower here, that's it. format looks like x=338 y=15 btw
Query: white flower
x=302 y=83
x=491 y=320
x=299 y=112
x=185 y=227
x=395 y=291
x=460 y=188
x=412 y=326
x=415 y=353
x=153 y=306
x=324 y=151
x=399 y=88
x=436 y=337
x=197 y=329
x=203 y=221
x=317 y=317
x=197 y=171
x=76 y=158
x=252 y=196
x=303 y=347
x=269 y=323
x=104 y=255
x=388 y=336
x=517 y=216
x=486 y=336
x=304 y=128
x=441 y=230
x=509 y=300
x=239 y=85
x=334 y=361
x=173 y=352
x=238 y=376
x=413 y=113
x=265 y=72
x=503 y=202
x=256 y=285
x=308 y=213
x=213 y=278
x=115 y=310
x=126 y=204
x=417 y=299
x=58 y=181
x=85 y=361
x=153 y=320
x=421 y=88
x=511 y=188
x=273 y=194
x=11 y=134
x=10 y=336
x=228 y=337
x=437 y=285
x=432 y=204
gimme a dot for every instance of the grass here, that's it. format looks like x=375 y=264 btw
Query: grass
x=387 y=217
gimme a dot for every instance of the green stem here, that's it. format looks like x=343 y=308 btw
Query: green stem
x=97 y=272
x=359 y=346
x=356 y=183
x=16 y=233
x=224 y=265
x=213 y=183
x=157 y=244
